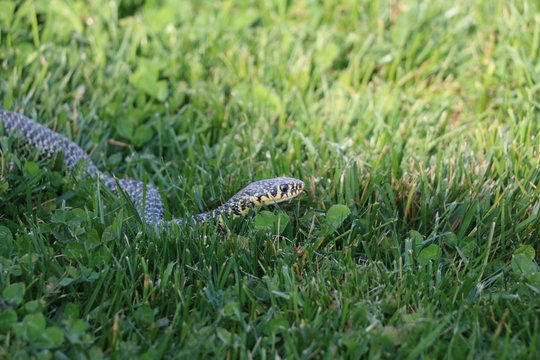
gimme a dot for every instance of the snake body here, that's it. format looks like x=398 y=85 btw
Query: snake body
x=146 y=198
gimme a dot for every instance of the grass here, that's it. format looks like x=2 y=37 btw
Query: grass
x=415 y=126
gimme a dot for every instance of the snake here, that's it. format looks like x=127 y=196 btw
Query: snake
x=145 y=197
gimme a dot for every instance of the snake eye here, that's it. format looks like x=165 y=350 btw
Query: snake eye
x=284 y=188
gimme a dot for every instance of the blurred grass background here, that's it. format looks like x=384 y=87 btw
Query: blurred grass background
x=417 y=122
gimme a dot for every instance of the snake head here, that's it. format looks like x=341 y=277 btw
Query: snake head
x=260 y=193
x=276 y=190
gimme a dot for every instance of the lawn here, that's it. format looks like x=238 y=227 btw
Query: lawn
x=414 y=124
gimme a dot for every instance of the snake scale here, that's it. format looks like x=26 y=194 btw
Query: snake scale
x=146 y=198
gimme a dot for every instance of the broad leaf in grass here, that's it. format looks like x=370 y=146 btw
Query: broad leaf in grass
x=34 y=306
x=145 y=78
x=144 y=315
x=337 y=214
x=522 y=265
x=267 y=221
x=451 y=239
x=14 y=293
x=281 y=223
x=526 y=250
x=32 y=168
x=49 y=338
x=143 y=134
x=416 y=237
x=534 y=279
x=8 y=317
x=6 y=239
x=430 y=253
x=31 y=327
x=108 y=234
x=76 y=331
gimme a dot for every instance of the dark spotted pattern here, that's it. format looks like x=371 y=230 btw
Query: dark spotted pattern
x=146 y=198
x=258 y=193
